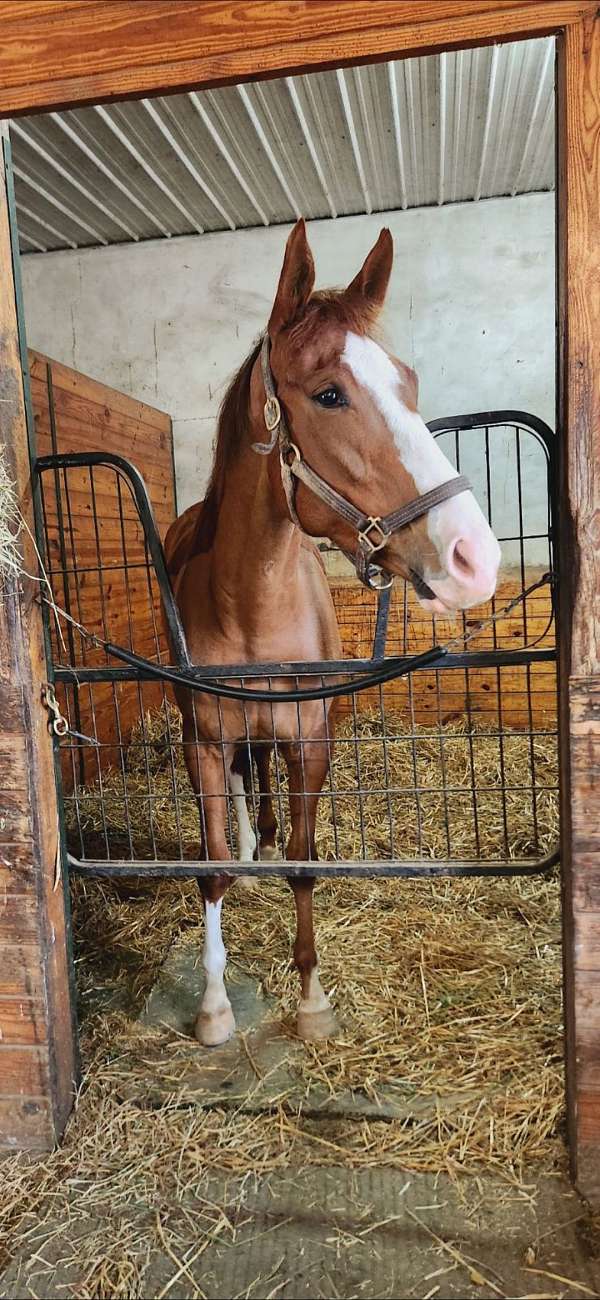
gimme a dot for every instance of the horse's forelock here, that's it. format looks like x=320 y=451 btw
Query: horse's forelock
x=332 y=307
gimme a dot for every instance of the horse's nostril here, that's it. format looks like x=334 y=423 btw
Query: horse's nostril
x=462 y=559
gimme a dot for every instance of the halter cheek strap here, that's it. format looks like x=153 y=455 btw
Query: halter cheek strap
x=374 y=531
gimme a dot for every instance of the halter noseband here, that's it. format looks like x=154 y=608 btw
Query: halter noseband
x=374 y=531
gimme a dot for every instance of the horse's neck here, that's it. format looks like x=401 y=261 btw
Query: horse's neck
x=255 y=555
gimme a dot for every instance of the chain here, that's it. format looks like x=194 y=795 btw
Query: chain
x=463 y=638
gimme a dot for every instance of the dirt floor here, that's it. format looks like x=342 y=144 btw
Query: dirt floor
x=420 y=1153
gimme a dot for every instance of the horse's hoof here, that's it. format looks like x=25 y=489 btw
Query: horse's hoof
x=269 y=853
x=247 y=882
x=216 y=1028
x=315 y=1025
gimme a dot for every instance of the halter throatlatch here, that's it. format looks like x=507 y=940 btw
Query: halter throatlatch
x=374 y=531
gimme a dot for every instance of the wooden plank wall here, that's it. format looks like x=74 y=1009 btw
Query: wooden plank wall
x=105 y=596
x=519 y=697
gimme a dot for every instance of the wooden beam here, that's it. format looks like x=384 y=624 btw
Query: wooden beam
x=74 y=52
x=37 y=1056
x=579 y=425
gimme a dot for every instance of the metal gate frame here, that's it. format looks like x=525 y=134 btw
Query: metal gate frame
x=74 y=676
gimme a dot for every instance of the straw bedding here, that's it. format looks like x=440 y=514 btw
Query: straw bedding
x=447 y=820
x=452 y=987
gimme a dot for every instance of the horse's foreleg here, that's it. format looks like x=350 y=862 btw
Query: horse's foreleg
x=246 y=836
x=306 y=777
x=266 y=821
x=215 y=1022
x=315 y=1016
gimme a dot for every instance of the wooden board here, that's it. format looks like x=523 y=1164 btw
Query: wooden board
x=579 y=421
x=54 y=54
x=38 y=1065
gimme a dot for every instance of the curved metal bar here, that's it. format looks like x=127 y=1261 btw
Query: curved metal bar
x=135 y=482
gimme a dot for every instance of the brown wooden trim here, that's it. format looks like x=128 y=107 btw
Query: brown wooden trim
x=578 y=114
x=74 y=53
x=54 y=55
x=35 y=958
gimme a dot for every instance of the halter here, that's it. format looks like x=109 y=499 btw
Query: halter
x=374 y=531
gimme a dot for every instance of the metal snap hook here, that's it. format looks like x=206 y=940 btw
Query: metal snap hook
x=372 y=572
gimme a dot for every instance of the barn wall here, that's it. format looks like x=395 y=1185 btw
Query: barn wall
x=471 y=307
x=118 y=604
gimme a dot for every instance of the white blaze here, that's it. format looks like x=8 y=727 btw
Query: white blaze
x=422 y=458
x=418 y=450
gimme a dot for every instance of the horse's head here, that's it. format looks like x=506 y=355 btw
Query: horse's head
x=351 y=409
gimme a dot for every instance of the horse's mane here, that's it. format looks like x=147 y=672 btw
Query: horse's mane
x=232 y=424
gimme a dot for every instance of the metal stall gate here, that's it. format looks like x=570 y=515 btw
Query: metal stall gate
x=441 y=765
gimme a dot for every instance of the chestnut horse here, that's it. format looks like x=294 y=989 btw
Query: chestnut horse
x=249 y=583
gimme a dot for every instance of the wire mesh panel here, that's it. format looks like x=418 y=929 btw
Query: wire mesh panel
x=443 y=769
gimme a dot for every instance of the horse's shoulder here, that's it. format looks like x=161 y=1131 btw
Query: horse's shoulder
x=180 y=538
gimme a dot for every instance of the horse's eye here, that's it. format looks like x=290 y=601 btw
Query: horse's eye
x=330 y=397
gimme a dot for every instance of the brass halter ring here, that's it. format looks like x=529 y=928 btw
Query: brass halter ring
x=272 y=413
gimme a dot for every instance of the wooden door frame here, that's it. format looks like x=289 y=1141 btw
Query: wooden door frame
x=64 y=53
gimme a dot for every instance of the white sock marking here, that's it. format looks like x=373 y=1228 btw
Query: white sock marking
x=317 y=999
x=246 y=836
x=214 y=958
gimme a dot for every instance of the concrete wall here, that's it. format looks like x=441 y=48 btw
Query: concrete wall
x=471 y=308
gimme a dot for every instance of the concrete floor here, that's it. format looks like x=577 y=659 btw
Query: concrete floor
x=330 y=1233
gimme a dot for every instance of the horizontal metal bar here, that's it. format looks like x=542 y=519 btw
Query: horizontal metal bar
x=256 y=672
x=407 y=870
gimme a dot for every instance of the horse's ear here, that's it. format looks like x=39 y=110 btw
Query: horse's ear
x=295 y=282
x=370 y=285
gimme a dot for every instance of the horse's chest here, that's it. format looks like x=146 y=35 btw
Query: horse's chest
x=285 y=723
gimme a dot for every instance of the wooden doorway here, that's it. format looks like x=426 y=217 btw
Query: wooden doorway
x=72 y=53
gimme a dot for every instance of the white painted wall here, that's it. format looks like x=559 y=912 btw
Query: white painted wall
x=471 y=308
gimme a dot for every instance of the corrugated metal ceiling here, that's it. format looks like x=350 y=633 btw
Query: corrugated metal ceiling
x=462 y=125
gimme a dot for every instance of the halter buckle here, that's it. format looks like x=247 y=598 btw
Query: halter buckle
x=290 y=447
x=366 y=543
x=272 y=413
